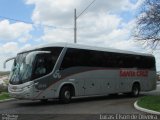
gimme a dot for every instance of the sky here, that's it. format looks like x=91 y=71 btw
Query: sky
x=107 y=23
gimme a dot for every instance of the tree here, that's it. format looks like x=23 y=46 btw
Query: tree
x=148 y=24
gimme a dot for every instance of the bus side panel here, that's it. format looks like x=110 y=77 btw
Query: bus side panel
x=90 y=82
x=98 y=82
x=147 y=81
x=151 y=81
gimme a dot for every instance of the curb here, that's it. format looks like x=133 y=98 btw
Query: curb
x=7 y=100
x=145 y=110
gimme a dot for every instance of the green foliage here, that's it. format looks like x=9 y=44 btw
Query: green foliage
x=4 y=95
x=150 y=102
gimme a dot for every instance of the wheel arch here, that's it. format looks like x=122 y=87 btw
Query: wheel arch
x=136 y=83
x=71 y=85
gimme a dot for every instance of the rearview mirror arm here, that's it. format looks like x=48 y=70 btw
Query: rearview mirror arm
x=4 y=64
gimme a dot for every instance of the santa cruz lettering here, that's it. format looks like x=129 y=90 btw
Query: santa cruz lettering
x=133 y=73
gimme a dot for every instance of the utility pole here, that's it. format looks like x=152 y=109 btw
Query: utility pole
x=75 y=26
x=75 y=20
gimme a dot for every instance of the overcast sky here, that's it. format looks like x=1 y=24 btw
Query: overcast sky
x=107 y=23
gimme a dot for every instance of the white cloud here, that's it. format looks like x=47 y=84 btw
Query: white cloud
x=9 y=48
x=6 y=51
x=57 y=35
x=101 y=25
x=137 y=5
x=26 y=47
x=8 y=65
x=89 y=28
x=60 y=12
x=97 y=25
x=12 y=31
x=25 y=38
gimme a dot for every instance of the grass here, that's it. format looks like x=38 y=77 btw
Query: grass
x=2 y=73
x=150 y=102
x=4 y=95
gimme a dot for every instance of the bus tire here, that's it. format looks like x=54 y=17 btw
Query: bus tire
x=135 y=90
x=44 y=100
x=65 y=95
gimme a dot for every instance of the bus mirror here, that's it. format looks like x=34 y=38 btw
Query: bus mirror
x=9 y=59
x=4 y=65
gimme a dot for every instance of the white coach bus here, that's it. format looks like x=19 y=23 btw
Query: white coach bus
x=64 y=71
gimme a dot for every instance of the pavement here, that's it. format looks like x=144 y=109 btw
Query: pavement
x=78 y=109
x=95 y=105
x=7 y=100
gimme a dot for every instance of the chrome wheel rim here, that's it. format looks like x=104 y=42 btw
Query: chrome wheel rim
x=67 y=94
x=136 y=91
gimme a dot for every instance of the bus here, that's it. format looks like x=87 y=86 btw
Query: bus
x=66 y=71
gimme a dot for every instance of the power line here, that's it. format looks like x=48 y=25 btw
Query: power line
x=86 y=8
x=17 y=20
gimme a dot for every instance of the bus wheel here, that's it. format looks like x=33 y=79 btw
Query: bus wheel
x=65 y=94
x=135 y=90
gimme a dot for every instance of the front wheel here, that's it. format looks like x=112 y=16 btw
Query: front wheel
x=135 y=90
x=65 y=94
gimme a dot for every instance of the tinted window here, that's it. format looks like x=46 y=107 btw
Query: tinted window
x=85 y=58
x=91 y=58
x=44 y=63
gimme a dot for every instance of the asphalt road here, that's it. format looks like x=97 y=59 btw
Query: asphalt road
x=82 y=109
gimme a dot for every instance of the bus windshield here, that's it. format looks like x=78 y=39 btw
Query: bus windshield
x=33 y=64
x=23 y=66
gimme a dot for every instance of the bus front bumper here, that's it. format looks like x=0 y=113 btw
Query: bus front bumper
x=23 y=91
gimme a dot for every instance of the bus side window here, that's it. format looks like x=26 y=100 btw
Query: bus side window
x=40 y=67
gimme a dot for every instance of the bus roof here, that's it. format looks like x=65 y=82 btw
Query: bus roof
x=81 y=46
